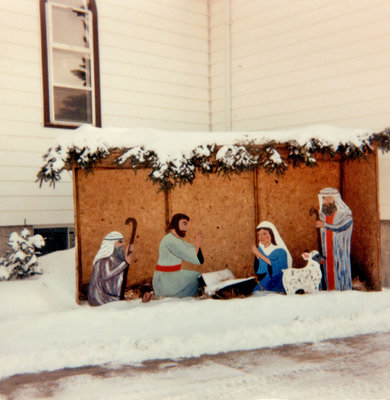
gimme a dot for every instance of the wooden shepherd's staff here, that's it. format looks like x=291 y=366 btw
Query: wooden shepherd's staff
x=132 y=237
x=319 y=241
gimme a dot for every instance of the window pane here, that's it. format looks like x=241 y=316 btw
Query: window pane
x=72 y=105
x=71 y=68
x=70 y=27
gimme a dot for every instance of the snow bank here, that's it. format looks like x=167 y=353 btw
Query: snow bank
x=42 y=328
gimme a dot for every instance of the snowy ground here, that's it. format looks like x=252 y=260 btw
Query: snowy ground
x=42 y=328
x=351 y=368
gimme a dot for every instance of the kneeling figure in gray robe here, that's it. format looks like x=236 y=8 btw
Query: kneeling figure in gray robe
x=109 y=267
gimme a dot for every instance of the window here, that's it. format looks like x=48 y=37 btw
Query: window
x=70 y=63
x=56 y=239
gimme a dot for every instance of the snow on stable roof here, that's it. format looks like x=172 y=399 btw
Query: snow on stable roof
x=171 y=145
x=174 y=155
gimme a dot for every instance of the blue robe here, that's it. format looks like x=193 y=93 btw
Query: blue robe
x=271 y=275
x=341 y=244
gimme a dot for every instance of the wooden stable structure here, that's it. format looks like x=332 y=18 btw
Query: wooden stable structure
x=227 y=210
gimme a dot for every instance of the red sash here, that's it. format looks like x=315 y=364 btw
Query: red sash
x=329 y=254
x=168 y=268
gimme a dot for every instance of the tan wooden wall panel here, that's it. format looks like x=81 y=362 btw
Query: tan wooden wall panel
x=106 y=198
x=223 y=209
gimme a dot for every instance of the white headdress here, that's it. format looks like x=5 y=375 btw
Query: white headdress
x=278 y=239
x=337 y=197
x=107 y=247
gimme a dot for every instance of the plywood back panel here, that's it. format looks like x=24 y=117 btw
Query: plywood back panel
x=223 y=209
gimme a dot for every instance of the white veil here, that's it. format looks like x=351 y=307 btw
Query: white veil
x=278 y=239
x=107 y=246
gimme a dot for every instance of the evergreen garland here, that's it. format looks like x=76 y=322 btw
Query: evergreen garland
x=57 y=162
x=234 y=159
x=208 y=159
x=300 y=154
x=326 y=150
x=201 y=158
x=381 y=140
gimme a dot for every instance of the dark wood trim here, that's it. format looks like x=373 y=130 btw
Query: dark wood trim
x=50 y=125
x=96 y=62
x=76 y=203
x=167 y=201
x=256 y=199
x=342 y=179
x=45 y=69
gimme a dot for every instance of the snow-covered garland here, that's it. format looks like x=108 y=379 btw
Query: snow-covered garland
x=208 y=159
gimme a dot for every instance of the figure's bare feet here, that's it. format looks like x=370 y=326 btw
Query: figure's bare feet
x=147 y=296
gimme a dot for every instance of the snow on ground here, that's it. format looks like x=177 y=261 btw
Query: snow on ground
x=353 y=368
x=42 y=328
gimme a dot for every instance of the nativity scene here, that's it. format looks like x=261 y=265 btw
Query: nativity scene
x=230 y=184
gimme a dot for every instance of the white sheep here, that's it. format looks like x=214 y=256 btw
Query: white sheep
x=307 y=278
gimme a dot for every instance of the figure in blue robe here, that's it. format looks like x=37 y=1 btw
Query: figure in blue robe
x=271 y=258
x=270 y=275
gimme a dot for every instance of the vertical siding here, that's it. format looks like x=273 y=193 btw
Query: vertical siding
x=384 y=186
x=297 y=63
x=219 y=42
x=154 y=63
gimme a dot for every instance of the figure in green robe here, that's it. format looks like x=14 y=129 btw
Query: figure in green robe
x=169 y=279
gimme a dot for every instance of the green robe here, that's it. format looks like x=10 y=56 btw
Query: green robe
x=177 y=283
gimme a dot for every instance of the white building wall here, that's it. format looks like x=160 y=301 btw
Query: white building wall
x=384 y=186
x=154 y=72
x=154 y=63
x=295 y=63
x=220 y=65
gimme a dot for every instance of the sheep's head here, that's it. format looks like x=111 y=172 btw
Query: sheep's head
x=313 y=256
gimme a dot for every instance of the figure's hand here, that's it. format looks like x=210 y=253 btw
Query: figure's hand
x=129 y=253
x=320 y=224
x=199 y=237
x=255 y=251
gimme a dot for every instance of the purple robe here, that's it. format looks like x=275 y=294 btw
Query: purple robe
x=106 y=281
